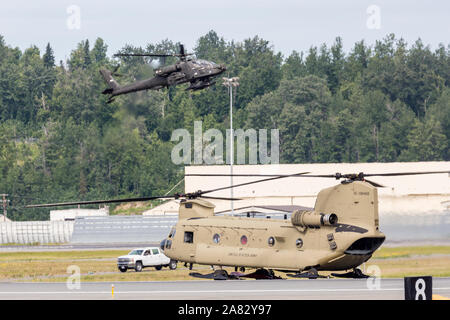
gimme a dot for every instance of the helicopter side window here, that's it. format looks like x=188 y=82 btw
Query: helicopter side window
x=188 y=237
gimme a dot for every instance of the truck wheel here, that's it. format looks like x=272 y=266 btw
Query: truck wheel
x=123 y=269
x=172 y=264
x=138 y=266
x=158 y=267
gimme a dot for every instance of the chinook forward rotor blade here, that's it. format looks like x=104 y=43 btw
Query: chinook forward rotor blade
x=60 y=204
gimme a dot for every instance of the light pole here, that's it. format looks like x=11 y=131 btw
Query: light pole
x=230 y=83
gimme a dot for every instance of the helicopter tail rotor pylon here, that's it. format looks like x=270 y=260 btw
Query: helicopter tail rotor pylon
x=110 y=82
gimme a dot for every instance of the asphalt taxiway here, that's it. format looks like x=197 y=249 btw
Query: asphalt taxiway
x=339 y=289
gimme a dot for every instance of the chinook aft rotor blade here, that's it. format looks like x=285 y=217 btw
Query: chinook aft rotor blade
x=220 y=198
x=301 y=175
x=375 y=184
x=393 y=174
x=351 y=176
x=251 y=182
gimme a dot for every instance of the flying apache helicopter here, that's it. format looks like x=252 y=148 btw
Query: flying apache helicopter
x=340 y=233
x=198 y=72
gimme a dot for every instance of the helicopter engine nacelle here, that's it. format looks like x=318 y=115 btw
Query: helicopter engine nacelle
x=167 y=70
x=312 y=219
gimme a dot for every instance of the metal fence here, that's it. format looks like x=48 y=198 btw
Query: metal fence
x=122 y=229
x=432 y=226
x=152 y=229
x=29 y=232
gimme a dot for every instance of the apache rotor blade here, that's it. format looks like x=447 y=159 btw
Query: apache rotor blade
x=143 y=55
x=96 y=202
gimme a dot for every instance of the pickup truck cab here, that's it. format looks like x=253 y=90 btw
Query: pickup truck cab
x=140 y=258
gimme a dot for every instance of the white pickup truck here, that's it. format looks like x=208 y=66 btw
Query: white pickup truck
x=141 y=258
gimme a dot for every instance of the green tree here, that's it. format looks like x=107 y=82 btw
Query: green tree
x=48 y=57
x=426 y=142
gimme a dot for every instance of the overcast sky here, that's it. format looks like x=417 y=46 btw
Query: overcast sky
x=288 y=24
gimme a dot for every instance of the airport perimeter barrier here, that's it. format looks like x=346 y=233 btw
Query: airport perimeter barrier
x=122 y=229
x=152 y=229
x=30 y=232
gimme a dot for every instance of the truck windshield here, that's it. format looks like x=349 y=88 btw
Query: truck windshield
x=135 y=252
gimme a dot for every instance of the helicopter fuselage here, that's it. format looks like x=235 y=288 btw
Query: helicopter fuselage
x=307 y=240
x=198 y=72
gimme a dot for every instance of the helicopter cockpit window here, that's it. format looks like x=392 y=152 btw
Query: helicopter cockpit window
x=216 y=238
x=172 y=233
x=203 y=63
x=188 y=237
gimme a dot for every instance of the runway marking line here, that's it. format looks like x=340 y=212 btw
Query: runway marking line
x=439 y=297
x=208 y=291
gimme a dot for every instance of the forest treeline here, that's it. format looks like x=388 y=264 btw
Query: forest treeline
x=60 y=140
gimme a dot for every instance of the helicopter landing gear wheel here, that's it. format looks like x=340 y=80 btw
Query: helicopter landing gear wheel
x=216 y=275
x=172 y=264
x=355 y=274
x=259 y=274
x=309 y=274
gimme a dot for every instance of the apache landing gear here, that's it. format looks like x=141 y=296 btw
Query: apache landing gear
x=355 y=274
x=223 y=275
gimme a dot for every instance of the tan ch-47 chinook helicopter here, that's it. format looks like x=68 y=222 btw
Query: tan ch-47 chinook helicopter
x=339 y=234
